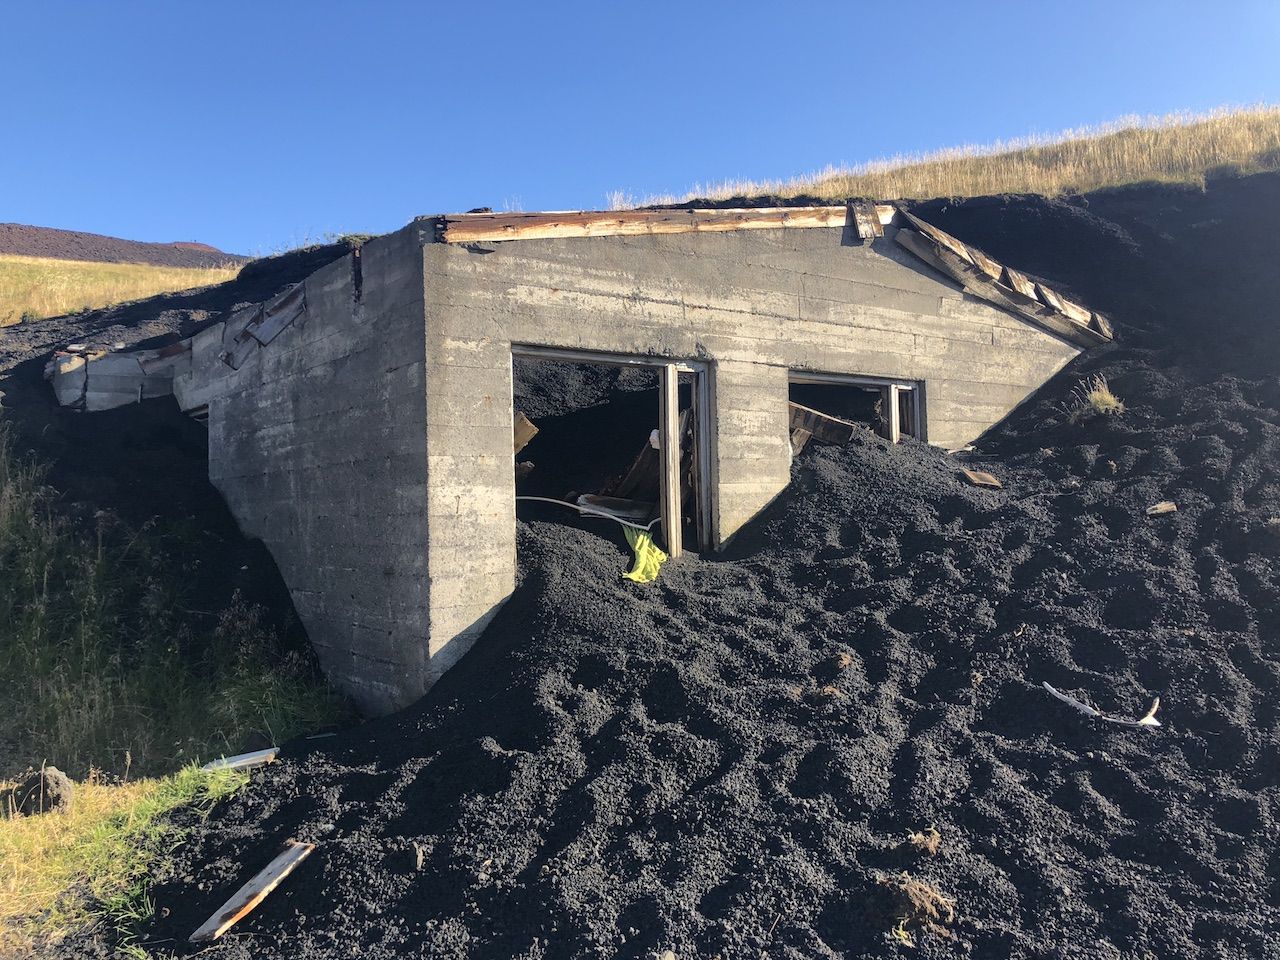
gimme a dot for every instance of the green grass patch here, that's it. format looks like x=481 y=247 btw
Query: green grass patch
x=91 y=865
x=103 y=667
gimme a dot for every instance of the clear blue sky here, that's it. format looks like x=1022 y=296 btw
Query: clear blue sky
x=256 y=125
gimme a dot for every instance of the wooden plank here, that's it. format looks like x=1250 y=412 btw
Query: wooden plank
x=986 y=264
x=866 y=218
x=940 y=237
x=523 y=431
x=641 y=476
x=669 y=458
x=254 y=892
x=976 y=283
x=980 y=478
x=1076 y=312
x=243 y=761
x=1049 y=297
x=892 y=413
x=1021 y=284
x=1164 y=506
x=1102 y=325
x=472 y=228
x=799 y=437
x=821 y=426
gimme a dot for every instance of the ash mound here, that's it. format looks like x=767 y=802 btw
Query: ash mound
x=29 y=241
x=730 y=760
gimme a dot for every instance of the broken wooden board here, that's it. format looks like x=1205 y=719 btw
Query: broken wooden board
x=980 y=478
x=523 y=431
x=866 y=218
x=254 y=892
x=1164 y=506
x=799 y=438
x=1020 y=283
x=977 y=283
x=986 y=264
x=821 y=427
x=243 y=761
x=477 y=227
x=940 y=237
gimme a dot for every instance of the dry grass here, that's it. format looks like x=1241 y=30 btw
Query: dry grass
x=927 y=841
x=1093 y=397
x=32 y=288
x=919 y=905
x=61 y=872
x=1179 y=148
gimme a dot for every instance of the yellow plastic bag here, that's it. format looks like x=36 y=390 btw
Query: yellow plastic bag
x=648 y=557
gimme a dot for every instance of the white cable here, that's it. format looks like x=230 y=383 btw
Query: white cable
x=598 y=513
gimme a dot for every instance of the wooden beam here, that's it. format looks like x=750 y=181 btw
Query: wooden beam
x=669 y=458
x=523 y=431
x=253 y=892
x=477 y=227
x=821 y=426
x=979 y=285
x=894 y=417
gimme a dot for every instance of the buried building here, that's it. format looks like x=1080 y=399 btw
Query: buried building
x=361 y=424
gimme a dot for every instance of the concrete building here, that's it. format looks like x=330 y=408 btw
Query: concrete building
x=361 y=424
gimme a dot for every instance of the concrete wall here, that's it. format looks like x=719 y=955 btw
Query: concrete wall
x=369 y=444
x=754 y=305
x=318 y=445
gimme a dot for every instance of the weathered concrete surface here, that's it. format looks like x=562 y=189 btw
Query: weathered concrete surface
x=369 y=445
x=318 y=445
x=755 y=306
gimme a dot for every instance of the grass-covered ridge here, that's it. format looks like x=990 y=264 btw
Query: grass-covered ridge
x=1180 y=148
x=32 y=288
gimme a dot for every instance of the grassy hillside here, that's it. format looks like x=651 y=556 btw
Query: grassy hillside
x=35 y=287
x=1182 y=148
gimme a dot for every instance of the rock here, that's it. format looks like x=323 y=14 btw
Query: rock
x=45 y=790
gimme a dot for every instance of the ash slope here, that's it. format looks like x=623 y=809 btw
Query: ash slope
x=726 y=762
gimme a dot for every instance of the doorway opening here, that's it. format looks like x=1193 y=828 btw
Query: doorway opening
x=892 y=408
x=613 y=436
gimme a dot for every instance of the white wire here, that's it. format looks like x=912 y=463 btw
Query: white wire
x=598 y=513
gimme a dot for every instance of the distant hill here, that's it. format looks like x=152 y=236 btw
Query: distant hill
x=28 y=241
